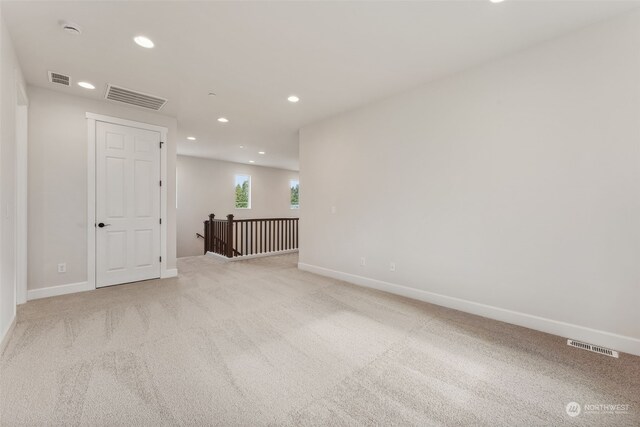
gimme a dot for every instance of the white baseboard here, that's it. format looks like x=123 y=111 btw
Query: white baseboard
x=606 y=339
x=4 y=339
x=241 y=258
x=170 y=272
x=53 y=291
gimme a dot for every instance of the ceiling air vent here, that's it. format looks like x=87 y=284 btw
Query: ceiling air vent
x=60 y=79
x=131 y=97
x=593 y=348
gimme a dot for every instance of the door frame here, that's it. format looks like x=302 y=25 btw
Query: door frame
x=22 y=191
x=92 y=119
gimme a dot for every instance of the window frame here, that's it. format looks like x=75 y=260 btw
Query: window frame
x=235 y=183
x=291 y=206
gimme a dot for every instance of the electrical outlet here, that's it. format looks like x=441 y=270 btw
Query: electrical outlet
x=363 y=261
x=62 y=268
x=392 y=266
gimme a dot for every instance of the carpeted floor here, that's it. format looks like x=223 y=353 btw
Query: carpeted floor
x=259 y=342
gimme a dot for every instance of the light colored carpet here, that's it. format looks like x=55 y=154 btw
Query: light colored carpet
x=259 y=342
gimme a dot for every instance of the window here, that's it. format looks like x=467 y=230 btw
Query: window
x=294 y=184
x=243 y=192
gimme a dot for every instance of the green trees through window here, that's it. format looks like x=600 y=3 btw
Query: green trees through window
x=243 y=192
x=295 y=193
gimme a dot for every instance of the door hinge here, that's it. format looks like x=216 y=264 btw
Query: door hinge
x=160 y=220
x=160 y=259
x=161 y=142
x=160 y=183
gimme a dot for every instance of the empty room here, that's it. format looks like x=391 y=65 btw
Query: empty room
x=328 y=213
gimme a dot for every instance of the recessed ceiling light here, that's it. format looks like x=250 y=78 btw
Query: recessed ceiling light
x=191 y=138
x=223 y=120
x=293 y=98
x=242 y=146
x=261 y=152
x=252 y=161
x=496 y=1
x=86 y=85
x=143 y=41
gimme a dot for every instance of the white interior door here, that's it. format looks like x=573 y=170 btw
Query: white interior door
x=127 y=204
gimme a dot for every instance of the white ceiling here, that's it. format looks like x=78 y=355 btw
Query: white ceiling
x=334 y=55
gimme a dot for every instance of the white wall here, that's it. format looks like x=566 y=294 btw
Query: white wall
x=58 y=183
x=208 y=186
x=10 y=74
x=511 y=190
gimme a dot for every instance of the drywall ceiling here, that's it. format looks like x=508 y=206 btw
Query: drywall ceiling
x=334 y=55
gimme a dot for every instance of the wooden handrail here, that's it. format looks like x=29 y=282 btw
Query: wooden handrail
x=262 y=219
x=240 y=237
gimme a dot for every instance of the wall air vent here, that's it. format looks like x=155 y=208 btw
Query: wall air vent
x=131 y=97
x=60 y=79
x=593 y=348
